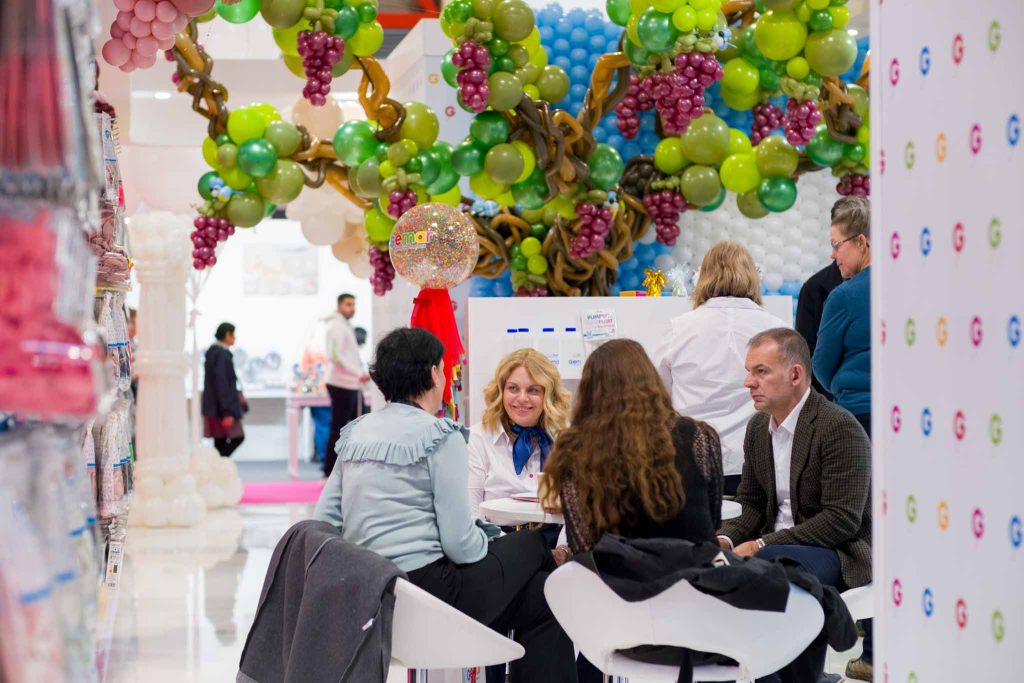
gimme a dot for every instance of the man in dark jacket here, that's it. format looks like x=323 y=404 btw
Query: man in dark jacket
x=810 y=306
x=222 y=402
x=805 y=490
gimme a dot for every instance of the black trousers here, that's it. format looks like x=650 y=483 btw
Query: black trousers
x=345 y=406
x=505 y=590
x=228 y=445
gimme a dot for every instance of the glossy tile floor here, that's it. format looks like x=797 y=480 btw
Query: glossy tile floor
x=188 y=596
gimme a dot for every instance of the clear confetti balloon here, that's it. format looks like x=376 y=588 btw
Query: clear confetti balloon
x=434 y=246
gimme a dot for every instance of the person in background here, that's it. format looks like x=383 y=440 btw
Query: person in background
x=133 y=344
x=345 y=374
x=526 y=407
x=701 y=359
x=223 y=404
x=361 y=337
x=842 y=359
x=806 y=488
x=400 y=489
x=809 y=307
x=632 y=466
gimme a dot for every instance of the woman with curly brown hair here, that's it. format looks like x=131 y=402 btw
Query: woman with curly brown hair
x=628 y=464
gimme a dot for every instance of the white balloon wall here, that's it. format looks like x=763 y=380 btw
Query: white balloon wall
x=788 y=247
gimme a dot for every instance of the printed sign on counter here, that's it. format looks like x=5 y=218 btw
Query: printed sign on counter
x=599 y=324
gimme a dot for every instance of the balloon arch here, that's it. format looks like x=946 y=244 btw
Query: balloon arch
x=558 y=207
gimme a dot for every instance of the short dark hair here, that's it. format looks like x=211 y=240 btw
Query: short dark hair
x=360 y=336
x=401 y=368
x=223 y=330
x=792 y=346
x=346 y=295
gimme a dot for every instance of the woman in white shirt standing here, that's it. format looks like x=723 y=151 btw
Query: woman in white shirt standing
x=702 y=357
x=526 y=408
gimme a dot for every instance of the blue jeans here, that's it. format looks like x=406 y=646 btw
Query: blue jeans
x=824 y=564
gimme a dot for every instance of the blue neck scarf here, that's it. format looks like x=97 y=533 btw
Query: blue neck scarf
x=526 y=439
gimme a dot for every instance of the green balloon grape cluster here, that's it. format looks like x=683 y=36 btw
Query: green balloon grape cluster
x=527 y=261
x=793 y=44
x=416 y=162
x=711 y=158
x=519 y=64
x=252 y=160
x=667 y=27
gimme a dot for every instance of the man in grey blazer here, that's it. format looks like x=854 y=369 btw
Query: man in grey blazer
x=805 y=490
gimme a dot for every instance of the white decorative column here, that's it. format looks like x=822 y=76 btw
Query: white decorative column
x=171 y=488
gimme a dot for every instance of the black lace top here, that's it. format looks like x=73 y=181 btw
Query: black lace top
x=699 y=461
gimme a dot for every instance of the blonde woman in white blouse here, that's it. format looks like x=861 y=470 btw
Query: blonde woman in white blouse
x=526 y=408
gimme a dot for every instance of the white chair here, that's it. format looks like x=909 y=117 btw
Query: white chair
x=600 y=623
x=860 y=602
x=427 y=633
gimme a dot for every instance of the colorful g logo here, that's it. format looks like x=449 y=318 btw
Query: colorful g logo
x=977 y=333
x=958 y=49
x=941 y=147
x=911 y=509
x=978 y=523
x=910 y=331
x=896 y=419
x=926 y=421
x=928 y=602
x=433 y=79
x=925 y=61
x=959 y=425
x=975 y=139
x=959 y=237
x=894 y=245
x=449 y=111
x=926 y=241
x=1013 y=130
x=894 y=72
x=908 y=155
x=998 y=627
x=943 y=515
x=1016 y=532
x=1013 y=330
x=995 y=36
x=961 y=613
x=995 y=429
x=995 y=233
x=942 y=332
x=897 y=592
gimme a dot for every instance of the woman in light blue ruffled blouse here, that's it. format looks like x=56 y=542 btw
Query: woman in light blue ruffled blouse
x=400 y=489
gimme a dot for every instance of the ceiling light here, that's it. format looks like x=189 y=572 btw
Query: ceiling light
x=852 y=31
x=162 y=95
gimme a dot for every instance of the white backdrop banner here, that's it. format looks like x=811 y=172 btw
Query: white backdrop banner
x=948 y=178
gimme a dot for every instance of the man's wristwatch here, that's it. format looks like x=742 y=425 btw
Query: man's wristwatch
x=760 y=543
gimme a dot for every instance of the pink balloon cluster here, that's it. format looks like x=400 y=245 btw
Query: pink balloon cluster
x=144 y=27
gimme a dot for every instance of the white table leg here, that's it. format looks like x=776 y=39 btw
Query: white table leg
x=293 y=440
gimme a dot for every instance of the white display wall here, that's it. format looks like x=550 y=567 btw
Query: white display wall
x=947 y=174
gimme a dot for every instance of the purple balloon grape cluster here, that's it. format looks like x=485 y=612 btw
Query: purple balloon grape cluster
x=383 y=277
x=209 y=230
x=320 y=52
x=665 y=208
x=473 y=61
x=802 y=121
x=595 y=223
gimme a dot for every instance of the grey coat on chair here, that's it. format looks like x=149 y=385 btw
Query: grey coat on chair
x=830 y=487
x=325 y=612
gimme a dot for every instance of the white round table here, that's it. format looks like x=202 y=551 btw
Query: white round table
x=508 y=511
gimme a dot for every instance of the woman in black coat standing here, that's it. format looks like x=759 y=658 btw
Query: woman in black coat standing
x=223 y=404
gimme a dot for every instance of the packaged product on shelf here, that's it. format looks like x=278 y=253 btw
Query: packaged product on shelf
x=32 y=646
x=106 y=242
x=112 y=323
x=47 y=367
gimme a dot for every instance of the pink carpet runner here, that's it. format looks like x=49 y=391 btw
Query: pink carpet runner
x=282 y=492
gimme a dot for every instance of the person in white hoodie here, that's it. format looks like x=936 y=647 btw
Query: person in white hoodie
x=701 y=359
x=345 y=374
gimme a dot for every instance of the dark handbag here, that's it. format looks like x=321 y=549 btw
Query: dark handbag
x=242 y=401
